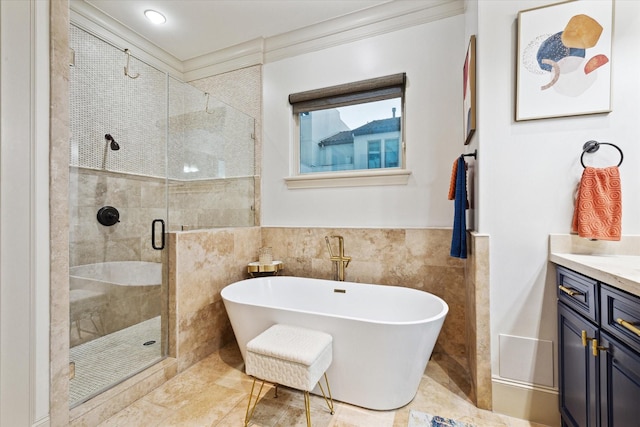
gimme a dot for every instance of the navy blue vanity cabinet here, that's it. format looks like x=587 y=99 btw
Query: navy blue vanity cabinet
x=599 y=353
x=578 y=316
x=578 y=370
x=619 y=354
x=620 y=383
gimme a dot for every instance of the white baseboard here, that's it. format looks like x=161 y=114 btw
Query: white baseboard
x=527 y=402
x=44 y=422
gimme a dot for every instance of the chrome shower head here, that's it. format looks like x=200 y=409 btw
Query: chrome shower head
x=113 y=143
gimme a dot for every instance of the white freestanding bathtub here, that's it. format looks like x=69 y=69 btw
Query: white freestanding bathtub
x=383 y=336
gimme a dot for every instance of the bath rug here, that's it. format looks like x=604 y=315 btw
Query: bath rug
x=421 y=419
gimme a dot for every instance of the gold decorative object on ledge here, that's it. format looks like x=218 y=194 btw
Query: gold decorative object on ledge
x=264 y=269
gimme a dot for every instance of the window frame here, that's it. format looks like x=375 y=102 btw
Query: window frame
x=364 y=91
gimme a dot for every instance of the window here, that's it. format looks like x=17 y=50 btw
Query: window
x=351 y=129
x=391 y=150
x=383 y=153
x=374 y=154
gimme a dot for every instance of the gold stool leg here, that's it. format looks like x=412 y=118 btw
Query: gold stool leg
x=307 y=407
x=330 y=400
x=247 y=415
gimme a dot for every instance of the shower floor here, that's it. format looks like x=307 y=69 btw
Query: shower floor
x=110 y=359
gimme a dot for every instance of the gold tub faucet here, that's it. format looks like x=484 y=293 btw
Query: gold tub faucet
x=340 y=261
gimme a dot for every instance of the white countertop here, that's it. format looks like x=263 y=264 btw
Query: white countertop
x=616 y=263
x=620 y=271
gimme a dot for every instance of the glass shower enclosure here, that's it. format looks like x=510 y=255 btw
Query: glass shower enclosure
x=148 y=154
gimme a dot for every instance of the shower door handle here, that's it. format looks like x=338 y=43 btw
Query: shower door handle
x=153 y=234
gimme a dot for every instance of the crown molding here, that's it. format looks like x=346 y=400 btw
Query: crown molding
x=232 y=58
x=377 y=20
x=381 y=19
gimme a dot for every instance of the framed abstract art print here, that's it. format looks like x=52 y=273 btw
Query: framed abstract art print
x=469 y=91
x=564 y=60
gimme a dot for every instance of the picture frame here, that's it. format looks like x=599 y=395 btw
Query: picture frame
x=469 y=91
x=564 y=60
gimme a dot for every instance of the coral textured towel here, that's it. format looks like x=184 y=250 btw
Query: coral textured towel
x=454 y=178
x=598 y=210
x=452 y=184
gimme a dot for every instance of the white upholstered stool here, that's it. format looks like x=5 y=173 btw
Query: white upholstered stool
x=291 y=356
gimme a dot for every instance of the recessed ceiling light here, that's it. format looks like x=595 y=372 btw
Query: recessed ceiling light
x=155 y=16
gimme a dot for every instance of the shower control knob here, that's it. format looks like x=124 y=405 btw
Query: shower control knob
x=108 y=215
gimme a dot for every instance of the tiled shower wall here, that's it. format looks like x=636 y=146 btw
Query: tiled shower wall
x=208 y=138
x=209 y=159
x=105 y=101
x=138 y=199
x=99 y=178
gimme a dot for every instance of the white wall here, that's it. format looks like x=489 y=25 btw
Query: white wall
x=432 y=55
x=528 y=171
x=24 y=213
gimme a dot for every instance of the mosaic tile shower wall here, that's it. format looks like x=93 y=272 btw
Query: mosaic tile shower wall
x=106 y=101
x=207 y=138
x=168 y=132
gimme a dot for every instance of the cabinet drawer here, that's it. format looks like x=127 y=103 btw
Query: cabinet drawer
x=578 y=292
x=621 y=315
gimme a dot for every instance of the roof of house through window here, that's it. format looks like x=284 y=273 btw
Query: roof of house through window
x=378 y=126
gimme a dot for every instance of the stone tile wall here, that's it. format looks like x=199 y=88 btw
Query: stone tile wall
x=205 y=261
x=478 y=338
x=415 y=258
x=212 y=203
x=138 y=199
x=201 y=263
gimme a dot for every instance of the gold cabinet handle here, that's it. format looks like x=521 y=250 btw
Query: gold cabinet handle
x=596 y=348
x=569 y=291
x=585 y=338
x=629 y=326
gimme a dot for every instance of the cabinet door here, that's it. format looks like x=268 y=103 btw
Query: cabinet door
x=578 y=379
x=620 y=384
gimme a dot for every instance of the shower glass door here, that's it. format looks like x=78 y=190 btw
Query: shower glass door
x=118 y=188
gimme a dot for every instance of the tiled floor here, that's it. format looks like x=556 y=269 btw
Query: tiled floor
x=99 y=363
x=214 y=392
